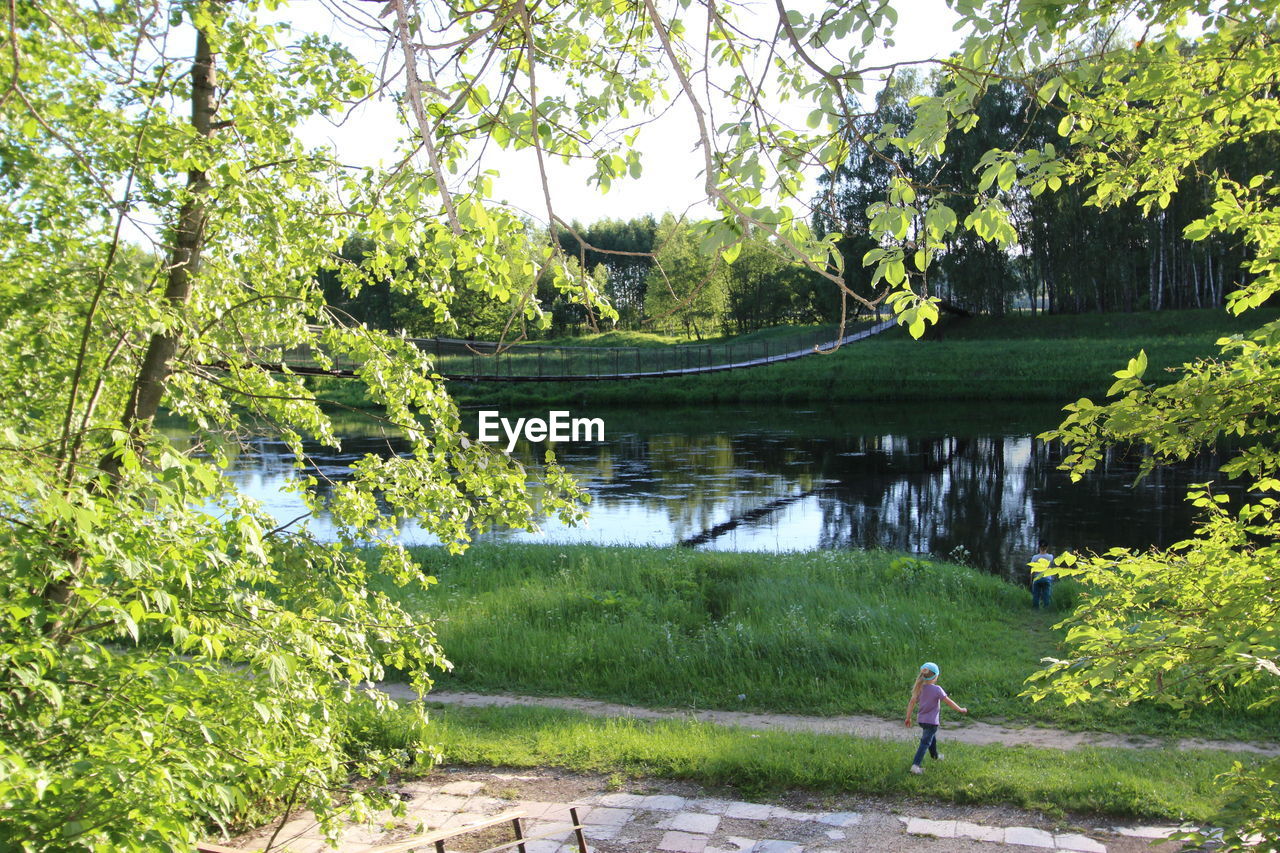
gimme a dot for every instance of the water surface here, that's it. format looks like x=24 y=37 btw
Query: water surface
x=925 y=478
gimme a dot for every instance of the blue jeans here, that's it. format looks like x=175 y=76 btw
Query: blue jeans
x=1041 y=592
x=928 y=741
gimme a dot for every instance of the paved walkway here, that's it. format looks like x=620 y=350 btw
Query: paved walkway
x=964 y=731
x=680 y=818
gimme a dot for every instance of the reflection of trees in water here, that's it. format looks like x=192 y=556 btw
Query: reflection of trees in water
x=994 y=495
x=997 y=495
x=930 y=496
x=694 y=481
x=1108 y=509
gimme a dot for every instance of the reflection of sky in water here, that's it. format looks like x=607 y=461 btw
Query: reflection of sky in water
x=760 y=480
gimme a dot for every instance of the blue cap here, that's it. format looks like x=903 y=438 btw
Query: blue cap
x=932 y=667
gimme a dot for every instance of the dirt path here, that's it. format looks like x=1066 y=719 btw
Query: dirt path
x=965 y=731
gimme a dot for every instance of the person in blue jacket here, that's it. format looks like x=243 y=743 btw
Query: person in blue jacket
x=1041 y=577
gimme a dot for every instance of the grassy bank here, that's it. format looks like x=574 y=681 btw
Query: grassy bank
x=819 y=633
x=1045 y=358
x=1153 y=784
x=1051 y=358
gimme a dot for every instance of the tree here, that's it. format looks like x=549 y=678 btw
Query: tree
x=764 y=288
x=625 y=249
x=568 y=315
x=1146 y=119
x=863 y=178
x=172 y=659
x=686 y=285
x=373 y=304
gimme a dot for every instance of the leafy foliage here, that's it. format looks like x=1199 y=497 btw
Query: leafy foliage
x=171 y=659
x=686 y=285
x=1183 y=624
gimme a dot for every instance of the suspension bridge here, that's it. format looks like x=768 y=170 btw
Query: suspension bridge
x=484 y=361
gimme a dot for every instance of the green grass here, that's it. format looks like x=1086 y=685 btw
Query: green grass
x=1153 y=784
x=825 y=632
x=1045 y=358
x=1056 y=358
x=1202 y=323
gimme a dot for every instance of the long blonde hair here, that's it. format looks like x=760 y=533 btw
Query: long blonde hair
x=915 y=688
x=921 y=681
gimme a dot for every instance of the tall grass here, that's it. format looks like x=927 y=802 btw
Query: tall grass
x=823 y=632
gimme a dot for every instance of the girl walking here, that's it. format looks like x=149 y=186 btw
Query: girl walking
x=930 y=697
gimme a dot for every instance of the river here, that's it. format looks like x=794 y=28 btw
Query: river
x=925 y=478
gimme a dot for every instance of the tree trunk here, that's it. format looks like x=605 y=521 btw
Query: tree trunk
x=188 y=242
x=184 y=259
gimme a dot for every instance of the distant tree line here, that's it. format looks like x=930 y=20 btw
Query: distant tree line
x=660 y=276
x=656 y=274
x=1072 y=258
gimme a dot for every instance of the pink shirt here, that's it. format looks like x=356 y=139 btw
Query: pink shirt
x=931 y=696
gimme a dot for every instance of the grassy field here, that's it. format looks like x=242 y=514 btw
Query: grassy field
x=1151 y=784
x=824 y=632
x=1044 y=358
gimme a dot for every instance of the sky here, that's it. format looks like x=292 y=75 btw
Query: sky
x=672 y=180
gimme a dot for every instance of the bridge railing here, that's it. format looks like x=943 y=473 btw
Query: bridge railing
x=484 y=360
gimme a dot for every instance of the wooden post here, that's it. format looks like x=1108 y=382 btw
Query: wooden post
x=515 y=823
x=577 y=830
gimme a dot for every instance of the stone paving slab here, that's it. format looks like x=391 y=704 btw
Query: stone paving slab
x=749 y=811
x=1029 y=837
x=442 y=803
x=936 y=828
x=1152 y=832
x=692 y=822
x=620 y=800
x=978 y=832
x=562 y=813
x=429 y=818
x=602 y=832
x=462 y=788
x=608 y=816
x=839 y=818
x=461 y=819
x=1078 y=843
x=683 y=842
x=308 y=845
x=663 y=802
x=777 y=845
x=543 y=846
x=556 y=830
x=535 y=809
x=487 y=804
